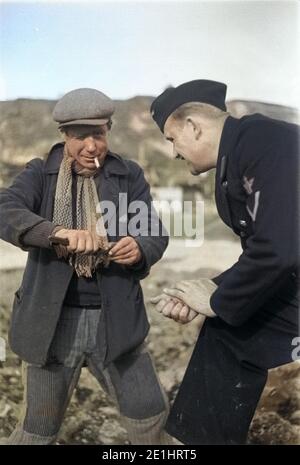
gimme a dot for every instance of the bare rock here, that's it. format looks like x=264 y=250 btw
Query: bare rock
x=270 y=428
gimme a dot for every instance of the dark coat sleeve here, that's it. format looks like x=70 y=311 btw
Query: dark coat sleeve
x=268 y=163
x=19 y=207
x=152 y=237
x=218 y=279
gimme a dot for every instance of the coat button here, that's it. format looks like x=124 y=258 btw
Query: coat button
x=243 y=223
x=225 y=184
x=243 y=234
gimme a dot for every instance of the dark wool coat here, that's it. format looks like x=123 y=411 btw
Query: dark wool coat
x=38 y=302
x=257 y=195
x=257 y=299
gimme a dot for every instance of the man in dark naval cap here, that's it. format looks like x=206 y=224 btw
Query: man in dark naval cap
x=250 y=310
x=80 y=302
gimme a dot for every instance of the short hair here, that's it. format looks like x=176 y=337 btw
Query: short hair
x=193 y=108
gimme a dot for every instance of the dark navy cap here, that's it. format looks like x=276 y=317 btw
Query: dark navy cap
x=199 y=90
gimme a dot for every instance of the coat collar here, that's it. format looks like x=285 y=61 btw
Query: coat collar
x=113 y=164
x=227 y=143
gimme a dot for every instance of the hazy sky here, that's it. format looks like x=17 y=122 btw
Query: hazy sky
x=133 y=48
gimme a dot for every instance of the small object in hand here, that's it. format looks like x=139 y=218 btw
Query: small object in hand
x=54 y=240
x=96 y=161
x=105 y=251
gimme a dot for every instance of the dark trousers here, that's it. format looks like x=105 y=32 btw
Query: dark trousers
x=131 y=382
x=227 y=374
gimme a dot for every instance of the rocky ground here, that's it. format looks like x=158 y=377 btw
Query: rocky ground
x=92 y=419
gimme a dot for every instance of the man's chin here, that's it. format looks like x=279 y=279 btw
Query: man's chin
x=195 y=172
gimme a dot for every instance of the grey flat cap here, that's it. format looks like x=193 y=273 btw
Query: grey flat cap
x=83 y=106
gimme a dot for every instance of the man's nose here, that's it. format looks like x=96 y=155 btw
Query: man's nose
x=90 y=144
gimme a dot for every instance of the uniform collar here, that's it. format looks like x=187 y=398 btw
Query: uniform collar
x=227 y=143
x=113 y=164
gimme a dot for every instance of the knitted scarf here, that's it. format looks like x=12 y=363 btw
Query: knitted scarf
x=87 y=217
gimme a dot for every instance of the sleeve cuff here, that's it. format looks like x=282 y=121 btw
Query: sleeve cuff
x=39 y=234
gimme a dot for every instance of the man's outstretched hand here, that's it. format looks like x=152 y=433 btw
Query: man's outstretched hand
x=79 y=240
x=173 y=308
x=195 y=294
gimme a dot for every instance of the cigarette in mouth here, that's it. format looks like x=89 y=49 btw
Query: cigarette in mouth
x=97 y=162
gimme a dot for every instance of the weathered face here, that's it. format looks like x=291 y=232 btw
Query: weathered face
x=188 y=144
x=85 y=143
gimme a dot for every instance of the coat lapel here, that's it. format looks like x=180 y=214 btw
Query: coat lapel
x=221 y=194
x=108 y=191
x=109 y=187
x=227 y=145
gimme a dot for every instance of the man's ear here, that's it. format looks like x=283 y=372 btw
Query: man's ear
x=195 y=126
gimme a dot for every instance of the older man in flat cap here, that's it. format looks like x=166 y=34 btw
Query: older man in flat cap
x=251 y=309
x=80 y=301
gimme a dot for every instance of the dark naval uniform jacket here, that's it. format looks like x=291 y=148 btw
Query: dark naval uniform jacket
x=256 y=301
x=257 y=196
